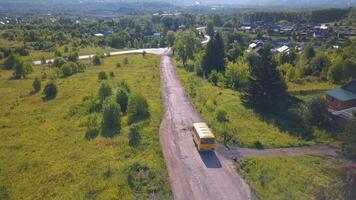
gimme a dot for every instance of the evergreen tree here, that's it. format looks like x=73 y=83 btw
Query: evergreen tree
x=214 y=58
x=36 y=85
x=111 y=118
x=122 y=98
x=265 y=86
x=210 y=28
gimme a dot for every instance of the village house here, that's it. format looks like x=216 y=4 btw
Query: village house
x=342 y=98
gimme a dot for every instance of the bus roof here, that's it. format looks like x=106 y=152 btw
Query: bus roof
x=203 y=130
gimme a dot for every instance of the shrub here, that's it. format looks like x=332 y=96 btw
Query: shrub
x=50 y=90
x=258 y=145
x=102 y=76
x=97 y=60
x=112 y=74
x=221 y=116
x=122 y=98
x=36 y=85
x=22 y=69
x=139 y=177
x=11 y=61
x=126 y=61
x=93 y=127
x=104 y=91
x=59 y=62
x=134 y=135
x=315 y=113
x=66 y=70
x=118 y=65
x=111 y=118
x=137 y=108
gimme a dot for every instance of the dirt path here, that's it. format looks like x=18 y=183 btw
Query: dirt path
x=238 y=153
x=193 y=175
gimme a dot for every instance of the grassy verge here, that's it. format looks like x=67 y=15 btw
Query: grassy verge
x=248 y=128
x=296 y=177
x=43 y=150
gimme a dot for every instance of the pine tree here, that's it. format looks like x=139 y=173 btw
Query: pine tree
x=265 y=85
x=214 y=58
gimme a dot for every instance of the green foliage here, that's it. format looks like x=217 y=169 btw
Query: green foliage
x=265 y=86
x=171 y=36
x=93 y=127
x=349 y=140
x=134 y=135
x=59 y=62
x=11 y=61
x=36 y=85
x=137 y=108
x=111 y=118
x=216 y=77
x=50 y=91
x=234 y=53
x=126 y=60
x=66 y=70
x=185 y=45
x=105 y=91
x=22 y=70
x=102 y=76
x=237 y=74
x=119 y=40
x=296 y=177
x=122 y=98
x=222 y=117
x=140 y=177
x=97 y=60
x=315 y=112
x=214 y=57
x=210 y=28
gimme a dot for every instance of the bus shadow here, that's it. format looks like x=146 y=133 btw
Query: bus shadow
x=210 y=159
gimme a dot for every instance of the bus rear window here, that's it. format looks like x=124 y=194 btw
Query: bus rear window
x=208 y=141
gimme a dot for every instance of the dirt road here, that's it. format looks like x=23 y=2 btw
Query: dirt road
x=193 y=175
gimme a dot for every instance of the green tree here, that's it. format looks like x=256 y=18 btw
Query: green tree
x=336 y=73
x=122 y=98
x=97 y=60
x=59 y=62
x=93 y=127
x=214 y=57
x=210 y=28
x=73 y=56
x=265 y=85
x=22 y=69
x=50 y=90
x=138 y=108
x=11 y=61
x=171 y=36
x=237 y=74
x=105 y=91
x=185 y=45
x=134 y=135
x=315 y=112
x=36 y=85
x=309 y=52
x=111 y=118
x=349 y=138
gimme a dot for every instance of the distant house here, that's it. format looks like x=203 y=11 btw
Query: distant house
x=255 y=46
x=99 y=35
x=282 y=49
x=342 y=98
x=156 y=35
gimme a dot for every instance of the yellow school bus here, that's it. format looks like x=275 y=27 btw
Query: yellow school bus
x=203 y=137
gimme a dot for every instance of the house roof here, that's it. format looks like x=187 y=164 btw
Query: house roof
x=351 y=87
x=342 y=94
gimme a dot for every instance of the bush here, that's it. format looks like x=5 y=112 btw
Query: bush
x=102 y=76
x=137 y=108
x=112 y=74
x=93 y=127
x=258 y=145
x=22 y=69
x=126 y=61
x=349 y=137
x=118 y=65
x=134 y=135
x=122 y=98
x=222 y=117
x=97 y=60
x=36 y=85
x=59 y=62
x=66 y=70
x=111 y=118
x=104 y=91
x=11 y=61
x=50 y=90
x=315 y=112
x=139 y=177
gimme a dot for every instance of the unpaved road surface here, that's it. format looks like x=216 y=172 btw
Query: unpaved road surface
x=193 y=175
x=321 y=149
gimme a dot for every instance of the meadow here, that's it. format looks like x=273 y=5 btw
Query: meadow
x=43 y=150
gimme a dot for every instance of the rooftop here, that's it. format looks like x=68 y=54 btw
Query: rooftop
x=342 y=94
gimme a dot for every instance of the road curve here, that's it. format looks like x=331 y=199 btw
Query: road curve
x=193 y=175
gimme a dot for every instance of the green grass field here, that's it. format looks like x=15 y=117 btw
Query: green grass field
x=246 y=126
x=43 y=150
x=296 y=177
